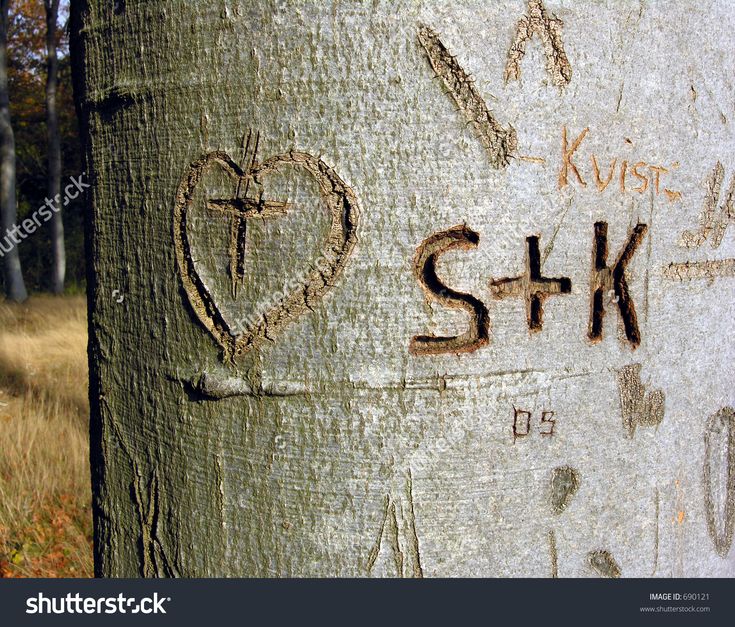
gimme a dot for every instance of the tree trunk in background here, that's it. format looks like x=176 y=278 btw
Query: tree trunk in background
x=58 y=252
x=15 y=289
x=355 y=313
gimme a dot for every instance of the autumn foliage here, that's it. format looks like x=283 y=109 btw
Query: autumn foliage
x=27 y=81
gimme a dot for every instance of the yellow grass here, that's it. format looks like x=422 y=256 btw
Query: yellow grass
x=45 y=519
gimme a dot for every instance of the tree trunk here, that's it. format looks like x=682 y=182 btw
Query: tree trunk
x=405 y=288
x=15 y=289
x=58 y=251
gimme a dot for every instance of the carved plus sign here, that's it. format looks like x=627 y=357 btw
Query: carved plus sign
x=239 y=210
x=533 y=287
x=242 y=207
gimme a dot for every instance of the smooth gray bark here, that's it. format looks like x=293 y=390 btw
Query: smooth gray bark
x=58 y=251
x=15 y=289
x=398 y=288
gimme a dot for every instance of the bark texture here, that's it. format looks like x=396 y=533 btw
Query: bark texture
x=359 y=306
x=15 y=289
x=58 y=250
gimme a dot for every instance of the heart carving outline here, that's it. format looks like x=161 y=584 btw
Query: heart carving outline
x=342 y=204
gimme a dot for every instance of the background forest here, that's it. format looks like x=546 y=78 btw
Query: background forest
x=27 y=90
x=45 y=519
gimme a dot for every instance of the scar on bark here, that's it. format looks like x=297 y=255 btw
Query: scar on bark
x=500 y=143
x=427 y=255
x=712 y=225
x=707 y=270
x=564 y=485
x=638 y=407
x=548 y=28
x=398 y=529
x=719 y=469
x=342 y=205
x=606 y=280
x=604 y=564
x=215 y=387
x=657 y=513
x=553 y=554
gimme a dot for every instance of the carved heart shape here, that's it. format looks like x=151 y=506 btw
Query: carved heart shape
x=344 y=211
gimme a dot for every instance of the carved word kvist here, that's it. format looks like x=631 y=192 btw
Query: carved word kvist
x=631 y=175
x=607 y=278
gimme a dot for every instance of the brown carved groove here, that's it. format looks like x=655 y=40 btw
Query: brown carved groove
x=605 y=280
x=532 y=286
x=500 y=143
x=548 y=28
x=427 y=254
x=342 y=205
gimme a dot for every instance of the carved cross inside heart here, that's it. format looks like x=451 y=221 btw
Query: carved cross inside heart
x=341 y=203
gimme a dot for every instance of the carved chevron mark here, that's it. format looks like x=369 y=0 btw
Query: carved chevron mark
x=548 y=28
x=398 y=531
x=340 y=202
x=500 y=143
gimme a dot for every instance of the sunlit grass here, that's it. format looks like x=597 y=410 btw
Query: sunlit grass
x=45 y=520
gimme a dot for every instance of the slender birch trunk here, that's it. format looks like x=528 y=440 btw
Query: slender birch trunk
x=15 y=289
x=58 y=250
x=410 y=288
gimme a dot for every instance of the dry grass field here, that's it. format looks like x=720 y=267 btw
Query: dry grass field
x=45 y=517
